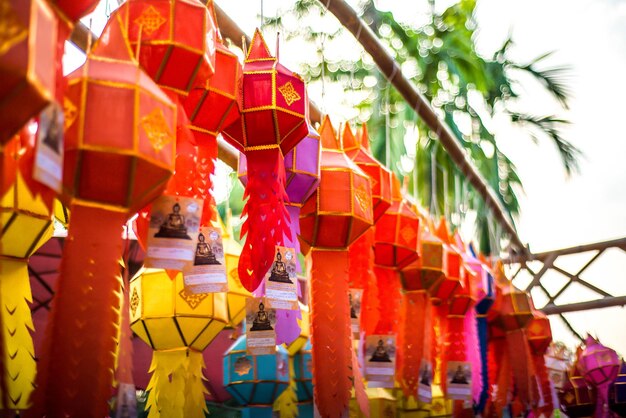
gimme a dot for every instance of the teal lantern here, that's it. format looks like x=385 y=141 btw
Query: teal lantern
x=255 y=381
x=303 y=373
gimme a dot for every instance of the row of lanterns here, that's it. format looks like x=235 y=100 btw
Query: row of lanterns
x=136 y=126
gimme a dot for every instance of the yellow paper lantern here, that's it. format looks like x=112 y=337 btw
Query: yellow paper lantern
x=409 y=407
x=440 y=406
x=178 y=325
x=25 y=225
x=237 y=294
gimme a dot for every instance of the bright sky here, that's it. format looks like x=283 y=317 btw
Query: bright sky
x=590 y=37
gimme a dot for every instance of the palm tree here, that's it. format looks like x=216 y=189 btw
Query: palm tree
x=466 y=89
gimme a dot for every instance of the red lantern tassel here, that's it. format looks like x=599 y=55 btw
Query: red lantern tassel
x=362 y=276
x=78 y=359
x=411 y=336
x=521 y=363
x=267 y=219
x=390 y=295
x=546 y=390
x=330 y=332
x=205 y=167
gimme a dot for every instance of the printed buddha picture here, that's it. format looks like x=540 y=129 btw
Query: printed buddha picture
x=262 y=320
x=204 y=253
x=173 y=226
x=54 y=129
x=425 y=376
x=460 y=377
x=380 y=354
x=279 y=271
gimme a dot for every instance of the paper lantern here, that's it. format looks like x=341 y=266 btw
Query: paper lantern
x=177 y=40
x=599 y=364
x=136 y=143
x=397 y=232
x=28 y=55
x=450 y=281
x=382 y=404
x=577 y=398
x=255 y=380
x=272 y=123
x=359 y=152
x=557 y=360
x=427 y=272
x=330 y=220
x=617 y=392
x=178 y=325
x=539 y=336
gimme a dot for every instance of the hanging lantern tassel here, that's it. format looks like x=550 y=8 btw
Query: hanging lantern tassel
x=362 y=276
x=287 y=402
x=416 y=318
x=176 y=389
x=331 y=331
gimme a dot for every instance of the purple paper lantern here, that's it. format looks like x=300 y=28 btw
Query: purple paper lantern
x=599 y=364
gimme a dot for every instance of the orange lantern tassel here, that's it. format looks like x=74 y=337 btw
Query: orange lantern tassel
x=411 y=336
x=331 y=332
x=362 y=276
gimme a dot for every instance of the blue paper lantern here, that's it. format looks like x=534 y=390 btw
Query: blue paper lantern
x=303 y=365
x=255 y=380
x=305 y=410
x=617 y=392
x=257 y=412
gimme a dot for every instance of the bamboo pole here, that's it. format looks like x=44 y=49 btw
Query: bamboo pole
x=607 y=302
x=390 y=69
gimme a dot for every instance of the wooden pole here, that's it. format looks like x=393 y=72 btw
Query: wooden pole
x=608 y=302
x=391 y=70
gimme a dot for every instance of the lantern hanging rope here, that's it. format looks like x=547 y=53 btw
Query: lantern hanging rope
x=136 y=142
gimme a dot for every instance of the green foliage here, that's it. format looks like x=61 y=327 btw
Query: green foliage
x=465 y=88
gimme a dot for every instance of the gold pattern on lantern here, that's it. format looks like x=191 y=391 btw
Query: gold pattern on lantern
x=407 y=233
x=134 y=302
x=569 y=397
x=155 y=126
x=193 y=300
x=289 y=93
x=150 y=20
x=361 y=197
x=242 y=366
x=12 y=31
x=69 y=112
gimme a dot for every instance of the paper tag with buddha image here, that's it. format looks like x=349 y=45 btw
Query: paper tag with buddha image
x=280 y=281
x=380 y=361
x=424 y=387
x=260 y=327
x=354 y=298
x=207 y=274
x=48 y=164
x=173 y=232
x=459 y=375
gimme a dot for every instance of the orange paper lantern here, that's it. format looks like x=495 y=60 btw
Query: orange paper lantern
x=177 y=37
x=135 y=142
x=28 y=55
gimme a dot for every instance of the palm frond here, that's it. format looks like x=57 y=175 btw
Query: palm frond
x=554 y=79
x=551 y=127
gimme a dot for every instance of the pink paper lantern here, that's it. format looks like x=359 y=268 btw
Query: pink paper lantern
x=599 y=364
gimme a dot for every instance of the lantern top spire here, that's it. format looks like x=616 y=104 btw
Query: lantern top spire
x=350 y=141
x=114 y=43
x=327 y=135
x=258 y=50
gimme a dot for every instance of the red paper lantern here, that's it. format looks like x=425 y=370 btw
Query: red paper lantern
x=427 y=272
x=452 y=261
x=397 y=232
x=358 y=151
x=273 y=103
x=177 y=40
x=28 y=55
x=113 y=166
x=539 y=333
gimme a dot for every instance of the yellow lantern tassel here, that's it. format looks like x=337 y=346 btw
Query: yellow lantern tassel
x=176 y=389
x=287 y=403
x=17 y=324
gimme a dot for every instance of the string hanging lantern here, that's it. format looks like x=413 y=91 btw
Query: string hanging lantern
x=178 y=324
x=272 y=123
x=330 y=220
x=28 y=56
x=135 y=142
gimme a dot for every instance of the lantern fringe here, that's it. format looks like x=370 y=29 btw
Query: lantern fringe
x=390 y=292
x=124 y=366
x=331 y=334
x=205 y=167
x=544 y=382
x=266 y=218
x=18 y=353
x=415 y=320
x=287 y=402
x=76 y=369
x=361 y=253
x=176 y=388
x=522 y=366
x=473 y=355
